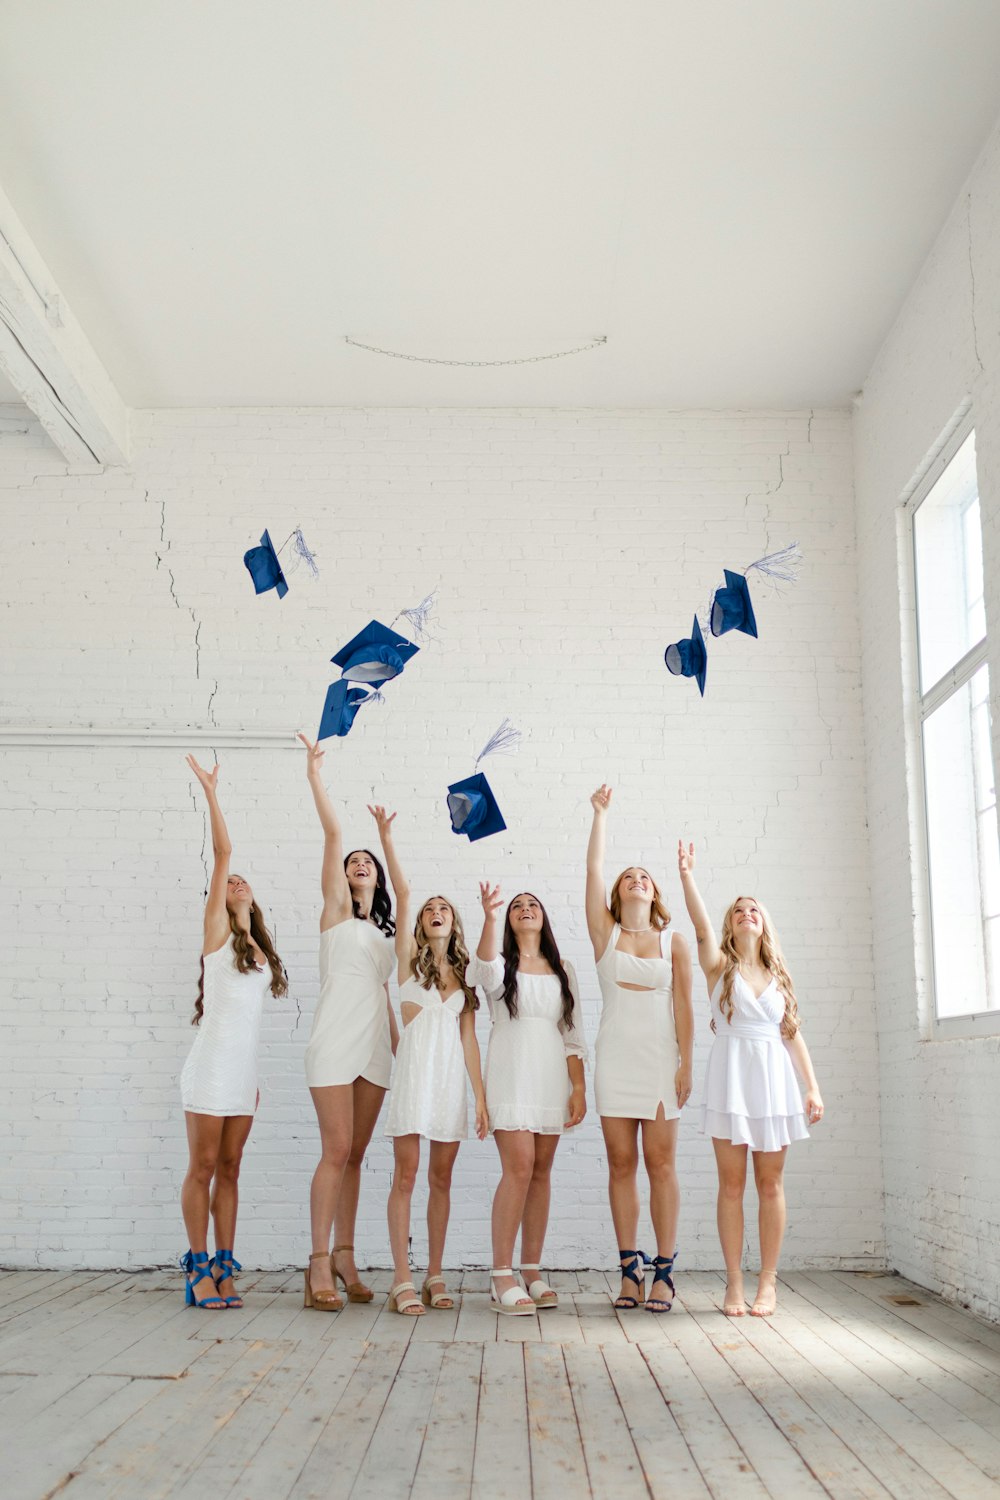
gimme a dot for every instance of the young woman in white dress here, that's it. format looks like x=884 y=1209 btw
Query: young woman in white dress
x=534 y=1083
x=642 y=1077
x=349 y=1056
x=437 y=1050
x=752 y=1100
x=219 y=1080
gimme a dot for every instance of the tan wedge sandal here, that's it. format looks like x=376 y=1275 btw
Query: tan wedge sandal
x=408 y=1305
x=320 y=1301
x=439 y=1301
x=356 y=1290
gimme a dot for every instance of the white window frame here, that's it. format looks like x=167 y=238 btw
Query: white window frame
x=923 y=705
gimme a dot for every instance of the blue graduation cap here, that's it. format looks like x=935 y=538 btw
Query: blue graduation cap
x=689 y=658
x=731 y=607
x=474 y=809
x=340 y=709
x=375 y=655
x=264 y=568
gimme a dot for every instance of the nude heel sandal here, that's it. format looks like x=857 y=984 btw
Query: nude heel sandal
x=400 y=1302
x=539 y=1291
x=319 y=1301
x=439 y=1301
x=356 y=1290
x=512 y=1302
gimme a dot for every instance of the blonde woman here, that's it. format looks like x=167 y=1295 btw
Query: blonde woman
x=642 y=1078
x=219 y=1081
x=752 y=1101
x=437 y=1050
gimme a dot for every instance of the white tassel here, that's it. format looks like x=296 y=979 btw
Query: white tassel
x=503 y=741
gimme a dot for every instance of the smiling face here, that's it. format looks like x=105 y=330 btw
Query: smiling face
x=635 y=884
x=361 y=870
x=747 y=917
x=238 y=893
x=525 y=914
x=436 y=919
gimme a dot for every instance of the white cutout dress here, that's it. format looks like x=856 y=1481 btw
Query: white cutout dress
x=636 y=1056
x=220 y=1074
x=429 y=1095
x=752 y=1095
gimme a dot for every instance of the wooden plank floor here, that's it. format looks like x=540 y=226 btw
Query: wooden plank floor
x=109 y=1387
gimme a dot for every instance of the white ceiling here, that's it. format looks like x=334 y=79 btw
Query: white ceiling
x=738 y=193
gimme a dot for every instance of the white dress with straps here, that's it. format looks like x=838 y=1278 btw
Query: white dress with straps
x=350 y=1029
x=636 y=1053
x=752 y=1095
x=220 y=1074
x=429 y=1095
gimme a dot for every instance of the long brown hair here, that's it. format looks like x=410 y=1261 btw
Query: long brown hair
x=244 y=958
x=659 y=916
x=771 y=957
x=423 y=965
x=381 y=912
x=549 y=949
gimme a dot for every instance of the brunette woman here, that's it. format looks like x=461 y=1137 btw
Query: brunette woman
x=534 y=1083
x=752 y=1101
x=642 y=1077
x=354 y=1034
x=219 y=1080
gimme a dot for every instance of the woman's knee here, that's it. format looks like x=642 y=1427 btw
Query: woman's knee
x=404 y=1179
x=335 y=1154
x=732 y=1185
x=660 y=1168
x=623 y=1165
x=439 y=1178
x=771 y=1188
x=202 y=1167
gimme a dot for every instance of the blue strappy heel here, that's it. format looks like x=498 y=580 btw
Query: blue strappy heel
x=224 y=1265
x=197 y=1266
x=634 y=1269
x=662 y=1267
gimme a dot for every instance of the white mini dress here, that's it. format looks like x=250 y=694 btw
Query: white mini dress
x=526 y=1079
x=220 y=1074
x=350 y=1030
x=429 y=1095
x=636 y=1056
x=752 y=1095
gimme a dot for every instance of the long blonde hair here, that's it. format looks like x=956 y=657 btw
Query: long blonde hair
x=659 y=916
x=771 y=957
x=423 y=965
x=245 y=959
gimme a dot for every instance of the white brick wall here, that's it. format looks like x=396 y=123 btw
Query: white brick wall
x=938 y=1097
x=568 y=549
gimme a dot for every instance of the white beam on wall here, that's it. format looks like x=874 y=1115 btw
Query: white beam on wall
x=49 y=360
x=58 y=737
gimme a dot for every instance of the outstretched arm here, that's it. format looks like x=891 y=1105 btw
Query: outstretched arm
x=803 y=1066
x=400 y=888
x=333 y=882
x=216 y=916
x=599 y=921
x=709 y=953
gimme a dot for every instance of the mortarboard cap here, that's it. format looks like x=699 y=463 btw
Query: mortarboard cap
x=689 y=658
x=340 y=709
x=474 y=809
x=264 y=568
x=375 y=655
x=731 y=607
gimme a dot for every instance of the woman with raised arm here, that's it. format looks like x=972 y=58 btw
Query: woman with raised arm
x=349 y=1056
x=642 y=1077
x=219 y=1080
x=534 y=1083
x=752 y=1100
x=437 y=1050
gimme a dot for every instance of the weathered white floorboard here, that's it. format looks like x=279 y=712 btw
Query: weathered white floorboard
x=110 y=1389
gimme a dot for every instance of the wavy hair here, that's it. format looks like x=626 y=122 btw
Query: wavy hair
x=423 y=965
x=659 y=916
x=550 y=952
x=244 y=958
x=771 y=957
x=381 y=912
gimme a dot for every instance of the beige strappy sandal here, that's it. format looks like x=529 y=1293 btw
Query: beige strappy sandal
x=320 y=1301
x=409 y=1306
x=356 y=1290
x=539 y=1291
x=439 y=1301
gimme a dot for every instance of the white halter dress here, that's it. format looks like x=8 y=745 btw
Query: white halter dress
x=220 y=1074
x=752 y=1095
x=350 y=1029
x=429 y=1095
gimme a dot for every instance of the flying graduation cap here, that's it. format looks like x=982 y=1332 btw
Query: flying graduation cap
x=472 y=807
x=264 y=568
x=689 y=658
x=732 y=608
x=340 y=709
x=373 y=657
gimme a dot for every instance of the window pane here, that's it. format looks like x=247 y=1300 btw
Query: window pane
x=963 y=851
x=948 y=551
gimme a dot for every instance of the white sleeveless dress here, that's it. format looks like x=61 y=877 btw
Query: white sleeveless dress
x=752 y=1095
x=350 y=1030
x=636 y=1056
x=526 y=1078
x=220 y=1074
x=429 y=1096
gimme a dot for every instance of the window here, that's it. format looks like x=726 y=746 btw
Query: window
x=963 y=852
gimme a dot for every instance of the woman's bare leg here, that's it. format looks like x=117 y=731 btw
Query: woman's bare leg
x=442 y=1162
x=368 y=1099
x=768 y=1171
x=335 y=1114
x=731 y=1162
x=517 y=1158
x=535 y=1219
x=406 y=1150
x=621 y=1142
x=659 y=1149
x=225 y=1189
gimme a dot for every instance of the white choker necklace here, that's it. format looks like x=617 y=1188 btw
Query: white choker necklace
x=635 y=929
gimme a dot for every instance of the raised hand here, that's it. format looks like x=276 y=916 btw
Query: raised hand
x=685 y=858
x=490 y=898
x=383 y=820
x=208 y=779
x=601 y=799
x=314 y=759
